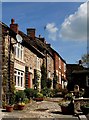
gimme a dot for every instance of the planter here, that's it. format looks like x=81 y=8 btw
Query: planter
x=64 y=109
x=21 y=107
x=85 y=110
x=38 y=99
x=9 y=108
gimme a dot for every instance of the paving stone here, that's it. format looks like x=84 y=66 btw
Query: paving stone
x=44 y=110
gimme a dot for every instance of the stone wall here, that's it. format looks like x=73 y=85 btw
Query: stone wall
x=8 y=81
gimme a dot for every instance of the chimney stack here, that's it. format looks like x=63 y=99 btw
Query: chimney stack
x=14 y=26
x=31 y=33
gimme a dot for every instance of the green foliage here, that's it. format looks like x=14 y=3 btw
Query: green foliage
x=36 y=78
x=85 y=60
x=39 y=95
x=43 y=77
x=69 y=96
x=55 y=79
x=49 y=83
x=29 y=92
x=47 y=92
x=26 y=100
x=20 y=96
x=64 y=92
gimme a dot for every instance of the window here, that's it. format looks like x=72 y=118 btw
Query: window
x=59 y=63
x=87 y=80
x=19 y=78
x=64 y=67
x=19 y=51
x=49 y=74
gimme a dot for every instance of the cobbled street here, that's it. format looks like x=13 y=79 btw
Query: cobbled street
x=44 y=109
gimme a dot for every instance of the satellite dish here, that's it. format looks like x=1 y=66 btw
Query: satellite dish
x=19 y=38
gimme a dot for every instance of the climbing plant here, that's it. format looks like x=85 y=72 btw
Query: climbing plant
x=43 y=76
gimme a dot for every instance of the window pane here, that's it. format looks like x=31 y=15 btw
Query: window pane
x=21 y=81
x=15 y=80
x=18 y=81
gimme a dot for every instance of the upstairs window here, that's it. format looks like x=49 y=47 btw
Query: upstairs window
x=19 y=51
x=59 y=63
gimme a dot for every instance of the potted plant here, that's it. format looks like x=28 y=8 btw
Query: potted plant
x=19 y=100
x=21 y=105
x=9 y=108
x=39 y=97
x=10 y=105
x=85 y=108
x=67 y=107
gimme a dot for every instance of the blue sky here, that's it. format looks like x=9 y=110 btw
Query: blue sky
x=65 y=24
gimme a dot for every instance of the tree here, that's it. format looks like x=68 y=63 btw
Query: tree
x=43 y=76
x=55 y=79
x=85 y=60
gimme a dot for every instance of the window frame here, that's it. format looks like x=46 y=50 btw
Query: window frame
x=19 y=82
x=19 y=51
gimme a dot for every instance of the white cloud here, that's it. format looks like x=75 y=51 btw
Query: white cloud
x=52 y=31
x=75 y=26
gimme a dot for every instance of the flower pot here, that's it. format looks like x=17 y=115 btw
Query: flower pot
x=21 y=107
x=9 y=108
x=38 y=99
x=64 y=109
x=85 y=109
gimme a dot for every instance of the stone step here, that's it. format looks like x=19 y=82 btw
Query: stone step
x=40 y=118
x=82 y=117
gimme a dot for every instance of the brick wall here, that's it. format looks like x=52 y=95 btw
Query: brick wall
x=50 y=65
x=31 y=62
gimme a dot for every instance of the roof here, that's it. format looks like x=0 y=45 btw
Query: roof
x=7 y=30
x=80 y=72
x=28 y=43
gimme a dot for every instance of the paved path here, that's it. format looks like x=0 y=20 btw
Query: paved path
x=39 y=110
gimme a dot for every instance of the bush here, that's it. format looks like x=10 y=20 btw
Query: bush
x=69 y=96
x=30 y=93
x=20 y=96
x=47 y=92
x=39 y=95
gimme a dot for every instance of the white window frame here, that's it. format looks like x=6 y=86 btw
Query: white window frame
x=19 y=78
x=87 y=80
x=38 y=63
x=59 y=63
x=19 y=51
x=49 y=74
x=64 y=67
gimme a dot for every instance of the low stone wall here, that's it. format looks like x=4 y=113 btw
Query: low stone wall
x=79 y=102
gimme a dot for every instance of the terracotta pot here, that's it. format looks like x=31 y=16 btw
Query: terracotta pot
x=9 y=108
x=21 y=107
x=85 y=110
x=38 y=99
x=64 y=109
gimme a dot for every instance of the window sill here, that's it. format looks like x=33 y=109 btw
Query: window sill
x=19 y=60
x=19 y=88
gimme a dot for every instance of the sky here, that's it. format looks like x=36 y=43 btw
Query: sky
x=62 y=24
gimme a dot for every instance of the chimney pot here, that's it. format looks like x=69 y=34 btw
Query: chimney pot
x=14 y=26
x=12 y=21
